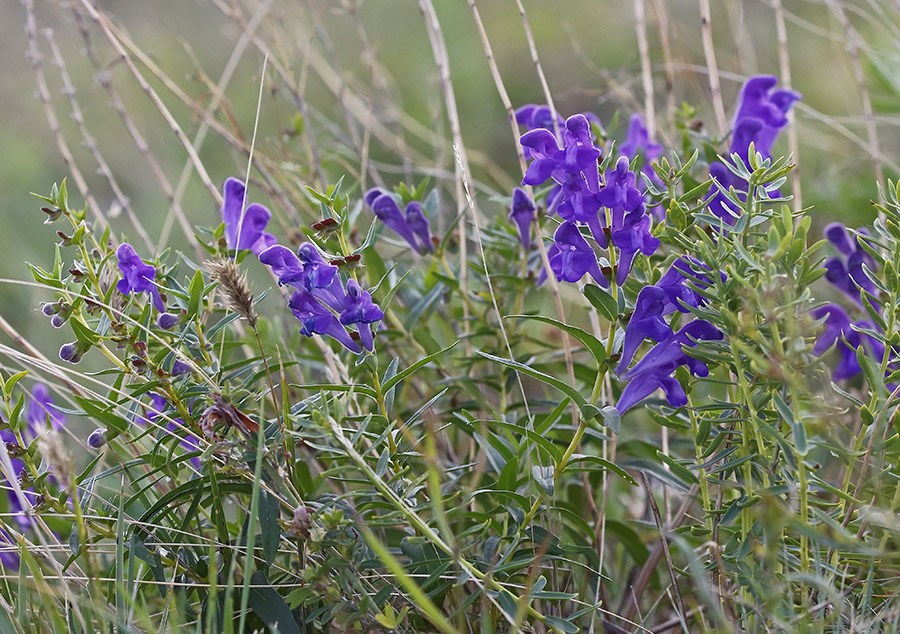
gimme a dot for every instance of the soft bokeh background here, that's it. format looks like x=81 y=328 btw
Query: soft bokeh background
x=335 y=60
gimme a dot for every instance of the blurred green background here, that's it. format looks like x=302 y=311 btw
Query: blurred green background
x=333 y=60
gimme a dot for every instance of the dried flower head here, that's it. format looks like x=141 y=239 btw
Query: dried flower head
x=234 y=285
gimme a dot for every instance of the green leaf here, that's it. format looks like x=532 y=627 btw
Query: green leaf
x=590 y=342
x=797 y=427
x=602 y=301
x=606 y=464
x=196 y=294
x=562 y=625
x=270 y=606
x=676 y=218
x=11 y=382
x=269 y=510
x=565 y=388
x=83 y=333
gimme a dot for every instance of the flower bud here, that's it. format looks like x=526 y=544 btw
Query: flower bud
x=50 y=308
x=57 y=321
x=167 y=321
x=97 y=438
x=71 y=352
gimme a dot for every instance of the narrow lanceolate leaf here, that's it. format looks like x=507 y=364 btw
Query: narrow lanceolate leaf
x=563 y=387
x=799 y=431
x=602 y=301
x=591 y=343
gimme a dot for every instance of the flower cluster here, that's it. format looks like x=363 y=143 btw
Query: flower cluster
x=321 y=302
x=612 y=209
x=411 y=224
x=761 y=114
x=673 y=292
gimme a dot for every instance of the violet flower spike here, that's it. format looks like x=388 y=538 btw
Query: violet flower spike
x=760 y=116
x=137 y=276
x=522 y=213
x=679 y=296
x=244 y=228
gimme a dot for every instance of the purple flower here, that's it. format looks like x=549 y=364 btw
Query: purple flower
x=550 y=160
x=137 y=276
x=40 y=408
x=180 y=367
x=522 y=213
x=655 y=370
x=418 y=223
x=387 y=211
x=284 y=264
x=679 y=296
x=578 y=203
x=316 y=319
x=571 y=256
x=244 y=231
x=646 y=323
x=634 y=236
x=638 y=141
x=533 y=116
x=359 y=309
x=620 y=190
x=846 y=271
x=307 y=271
x=839 y=330
x=670 y=293
x=317 y=273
